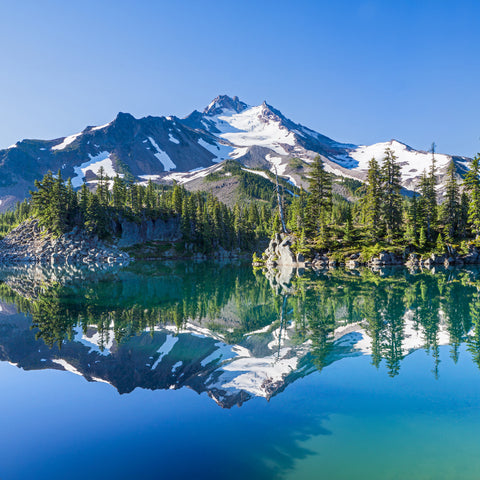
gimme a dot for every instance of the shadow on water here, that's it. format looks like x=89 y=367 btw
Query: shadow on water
x=235 y=335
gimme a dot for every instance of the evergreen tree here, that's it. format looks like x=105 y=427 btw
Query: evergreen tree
x=149 y=198
x=50 y=203
x=119 y=192
x=411 y=232
x=392 y=200
x=320 y=199
x=95 y=218
x=428 y=200
x=451 y=206
x=373 y=200
x=102 y=187
x=276 y=225
x=440 y=246
x=423 y=238
x=296 y=213
x=177 y=198
x=463 y=218
x=348 y=232
x=72 y=204
x=472 y=186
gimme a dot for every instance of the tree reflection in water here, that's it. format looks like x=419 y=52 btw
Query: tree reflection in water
x=336 y=313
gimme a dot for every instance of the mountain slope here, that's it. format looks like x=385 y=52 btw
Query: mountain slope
x=169 y=148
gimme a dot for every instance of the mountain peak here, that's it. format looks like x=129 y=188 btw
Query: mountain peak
x=224 y=102
x=122 y=117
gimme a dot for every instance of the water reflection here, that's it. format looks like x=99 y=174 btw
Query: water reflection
x=228 y=331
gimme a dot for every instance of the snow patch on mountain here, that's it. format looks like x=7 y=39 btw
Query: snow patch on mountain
x=221 y=151
x=196 y=173
x=412 y=162
x=250 y=127
x=94 y=164
x=173 y=139
x=150 y=177
x=257 y=172
x=278 y=165
x=66 y=141
x=100 y=127
x=162 y=157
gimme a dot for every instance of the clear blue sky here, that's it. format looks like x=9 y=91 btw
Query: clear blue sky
x=357 y=71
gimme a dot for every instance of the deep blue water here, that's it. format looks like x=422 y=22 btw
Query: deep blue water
x=333 y=416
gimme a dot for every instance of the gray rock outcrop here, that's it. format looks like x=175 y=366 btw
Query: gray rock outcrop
x=29 y=243
x=279 y=251
x=132 y=233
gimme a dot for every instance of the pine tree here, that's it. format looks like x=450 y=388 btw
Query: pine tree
x=119 y=192
x=451 y=206
x=42 y=199
x=472 y=185
x=348 y=233
x=276 y=225
x=463 y=219
x=373 y=200
x=428 y=201
x=72 y=204
x=320 y=199
x=392 y=200
x=440 y=246
x=177 y=198
x=102 y=187
x=149 y=198
x=296 y=213
x=422 y=241
x=59 y=206
x=93 y=217
x=411 y=232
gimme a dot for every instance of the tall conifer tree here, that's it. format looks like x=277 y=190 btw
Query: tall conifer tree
x=391 y=186
x=472 y=185
x=451 y=206
x=373 y=200
x=320 y=199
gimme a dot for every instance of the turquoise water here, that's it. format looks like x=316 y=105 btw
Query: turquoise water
x=201 y=371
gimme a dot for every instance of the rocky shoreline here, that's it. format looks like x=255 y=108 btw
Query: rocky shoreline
x=29 y=243
x=279 y=254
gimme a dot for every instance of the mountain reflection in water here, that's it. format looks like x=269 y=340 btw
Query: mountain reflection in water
x=226 y=330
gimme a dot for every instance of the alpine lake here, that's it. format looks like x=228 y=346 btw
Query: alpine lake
x=183 y=370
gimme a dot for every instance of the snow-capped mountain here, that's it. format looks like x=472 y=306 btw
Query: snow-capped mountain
x=261 y=137
x=169 y=148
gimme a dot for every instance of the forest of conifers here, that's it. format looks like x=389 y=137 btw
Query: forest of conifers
x=377 y=213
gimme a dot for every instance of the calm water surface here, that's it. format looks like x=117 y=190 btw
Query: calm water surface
x=213 y=371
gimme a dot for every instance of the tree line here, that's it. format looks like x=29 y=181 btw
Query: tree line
x=204 y=221
x=377 y=213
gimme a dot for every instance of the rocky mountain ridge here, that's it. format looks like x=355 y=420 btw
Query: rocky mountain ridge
x=167 y=149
